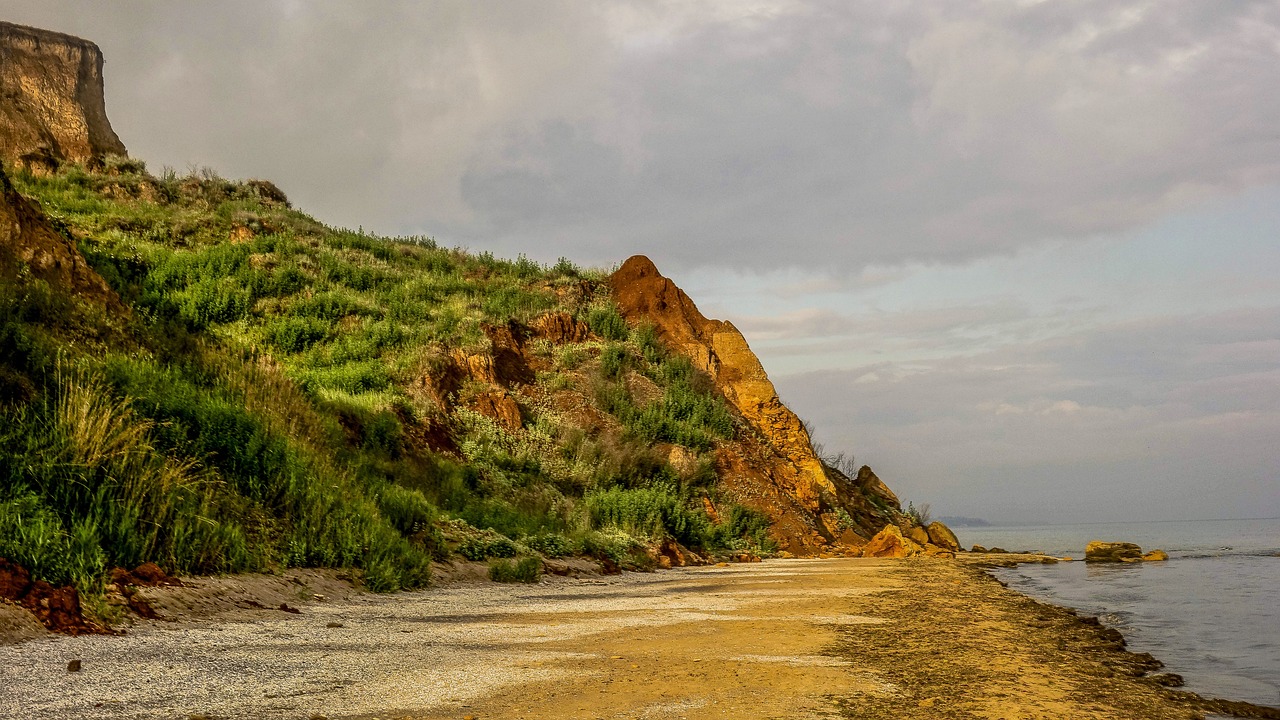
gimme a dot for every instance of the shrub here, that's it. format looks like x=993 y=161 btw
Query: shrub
x=482 y=548
x=295 y=334
x=613 y=544
x=525 y=570
x=407 y=510
x=613 y=360
x=606 y=322
x=649 y=511
x=844 y=520
x=552 y=545
x=921 y=515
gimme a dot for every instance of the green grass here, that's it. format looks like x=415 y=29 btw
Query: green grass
x=263 y=403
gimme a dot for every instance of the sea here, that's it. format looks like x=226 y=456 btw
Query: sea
x=1211 y=613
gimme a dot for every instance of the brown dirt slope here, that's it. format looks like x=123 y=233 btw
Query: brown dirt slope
x=52 y=108
x=776 y=470
x=31 y=248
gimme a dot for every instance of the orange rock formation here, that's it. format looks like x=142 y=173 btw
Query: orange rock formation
x=776 y=470
x=718 y=349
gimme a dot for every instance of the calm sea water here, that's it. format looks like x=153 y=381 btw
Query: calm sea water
x=1212 y=613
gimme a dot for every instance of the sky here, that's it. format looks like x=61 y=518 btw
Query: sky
x=1022 y=258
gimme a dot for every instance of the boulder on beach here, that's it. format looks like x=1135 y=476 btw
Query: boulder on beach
x=1156 y=555
x=889 y=543
x=1099 y=551
x=942 y=536
x=917 y=534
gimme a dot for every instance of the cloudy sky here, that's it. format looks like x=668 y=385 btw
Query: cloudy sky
x=1021 y=257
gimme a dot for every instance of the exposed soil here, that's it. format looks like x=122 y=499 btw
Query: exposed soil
x=56 y=608
x=782 y=639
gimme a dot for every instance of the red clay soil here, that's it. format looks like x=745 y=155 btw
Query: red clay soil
x=57 y=608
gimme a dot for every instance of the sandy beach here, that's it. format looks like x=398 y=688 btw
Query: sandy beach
x=784 y=638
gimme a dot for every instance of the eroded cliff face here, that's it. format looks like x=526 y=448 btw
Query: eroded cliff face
x=31 y=248
x=52 y=108
x=776 y=471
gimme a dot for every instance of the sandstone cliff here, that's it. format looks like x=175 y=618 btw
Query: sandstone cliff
x=52 y=108
x=776 y=470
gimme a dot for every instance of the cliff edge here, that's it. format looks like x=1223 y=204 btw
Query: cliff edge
x=52 y=108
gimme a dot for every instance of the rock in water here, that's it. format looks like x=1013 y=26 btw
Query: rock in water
x=1099 y=551
x=1156 y=555
x=942 y=536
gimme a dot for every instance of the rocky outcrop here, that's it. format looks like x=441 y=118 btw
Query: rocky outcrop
x=1156 y=555
x=52 y=108
x=499 y=406
x=31 y=248
x=774 y=468
x=718 y=349
x=1099 y=551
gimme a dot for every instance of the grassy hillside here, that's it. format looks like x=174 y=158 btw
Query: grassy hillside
x=277 y=392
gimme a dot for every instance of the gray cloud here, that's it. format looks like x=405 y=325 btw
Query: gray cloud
x=759 y=135
x=1148 y=419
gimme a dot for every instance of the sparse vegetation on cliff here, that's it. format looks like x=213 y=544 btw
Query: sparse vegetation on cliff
x=282 y=393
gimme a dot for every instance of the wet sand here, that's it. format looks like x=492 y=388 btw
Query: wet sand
x=786 y=638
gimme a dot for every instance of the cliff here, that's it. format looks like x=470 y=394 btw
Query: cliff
x=775 y=469
x=52 y=108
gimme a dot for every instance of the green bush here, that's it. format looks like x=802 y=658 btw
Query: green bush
x=295 y=334
x=614 y=545
x=687 y=414
x=525 y=570
x=613 y=360
x=552 y=545
x=482 y=548
x=648 y=511
x=741 y=528
x=407 y=510
x=606 y=322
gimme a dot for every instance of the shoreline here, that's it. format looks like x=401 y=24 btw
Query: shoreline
x=864 y=638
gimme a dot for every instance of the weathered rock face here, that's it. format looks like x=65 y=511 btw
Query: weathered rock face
x=942 y=536
x=718 y=349
x=29 y=246
x=499 y=406
x=1099 y=551
x=52 y=108
x=916 y=534
x=889 y=543
x=775 y=469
